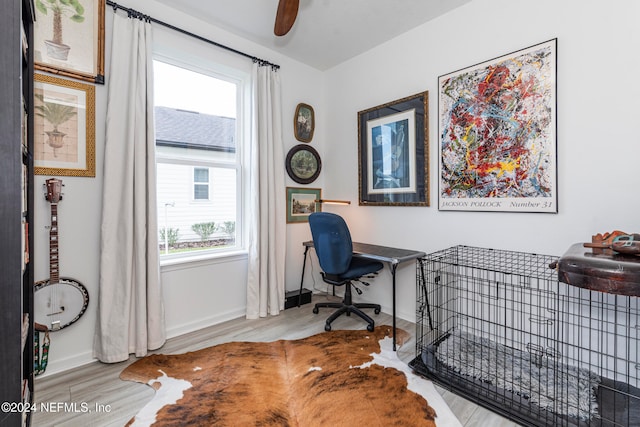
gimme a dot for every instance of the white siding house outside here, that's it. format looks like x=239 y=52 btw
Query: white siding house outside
x=185 y=142
x=177 y=207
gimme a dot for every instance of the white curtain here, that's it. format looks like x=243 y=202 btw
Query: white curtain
x=267 y=228
x=130 y=310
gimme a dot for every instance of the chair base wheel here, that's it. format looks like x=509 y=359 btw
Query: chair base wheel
x=346 y=307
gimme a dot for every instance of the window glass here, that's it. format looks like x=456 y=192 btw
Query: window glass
x=198 y=164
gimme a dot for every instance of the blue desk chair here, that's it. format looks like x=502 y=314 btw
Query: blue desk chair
x=332 y=242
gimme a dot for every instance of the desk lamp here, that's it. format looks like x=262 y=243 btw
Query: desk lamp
x=333 y=202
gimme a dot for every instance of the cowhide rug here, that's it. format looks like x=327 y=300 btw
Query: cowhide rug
x=337 y=378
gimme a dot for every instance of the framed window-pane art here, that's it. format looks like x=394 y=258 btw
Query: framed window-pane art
x=497 y=130
x=393 y=153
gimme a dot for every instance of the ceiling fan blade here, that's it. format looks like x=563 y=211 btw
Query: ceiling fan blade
x=286 y=16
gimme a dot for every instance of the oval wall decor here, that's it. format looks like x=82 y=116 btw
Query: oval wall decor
x=303 y=164
x=304 y=122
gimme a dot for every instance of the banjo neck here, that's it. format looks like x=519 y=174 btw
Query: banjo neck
x=58 y=302
x=54 y=260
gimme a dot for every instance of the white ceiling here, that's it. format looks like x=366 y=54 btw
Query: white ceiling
x=326 y=32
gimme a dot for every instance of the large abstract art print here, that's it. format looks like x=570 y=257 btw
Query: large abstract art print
x=497 y=134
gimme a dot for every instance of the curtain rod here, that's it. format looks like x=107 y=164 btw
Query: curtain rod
x=139 y=15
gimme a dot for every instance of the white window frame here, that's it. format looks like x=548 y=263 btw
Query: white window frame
x=243 y=85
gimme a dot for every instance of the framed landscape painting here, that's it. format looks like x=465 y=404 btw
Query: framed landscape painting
x=302 y=202
x=497 y=130
x=303 y=164
x=393 y=153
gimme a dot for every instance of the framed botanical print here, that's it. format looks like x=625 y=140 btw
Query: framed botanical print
x=69 y=38
x=64 y=127
x=393 y=153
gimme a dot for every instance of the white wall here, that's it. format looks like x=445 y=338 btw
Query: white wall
x=197 y=294
x=598 y=182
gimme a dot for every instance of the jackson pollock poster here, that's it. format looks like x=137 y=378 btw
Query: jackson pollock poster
x=497 y=128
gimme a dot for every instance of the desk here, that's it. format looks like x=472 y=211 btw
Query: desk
x=391 y=256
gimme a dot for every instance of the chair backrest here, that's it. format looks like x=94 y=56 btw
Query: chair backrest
x=332 y=242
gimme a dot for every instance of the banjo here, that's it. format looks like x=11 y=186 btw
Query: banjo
x=59 y=301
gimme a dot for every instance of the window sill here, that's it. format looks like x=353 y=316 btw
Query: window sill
x=181 y=263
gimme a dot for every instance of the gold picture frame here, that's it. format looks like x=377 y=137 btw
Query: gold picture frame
x=64 y=127
x=69 y=38
x=304 y=122
x=393 y=153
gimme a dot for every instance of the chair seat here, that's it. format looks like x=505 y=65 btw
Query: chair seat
x=358 y=267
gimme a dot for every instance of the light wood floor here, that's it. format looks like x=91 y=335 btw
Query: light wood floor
x=95 y=396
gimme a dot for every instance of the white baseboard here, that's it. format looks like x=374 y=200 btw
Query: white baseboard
x=86 y=358
x=185 y=328
x=62 y=365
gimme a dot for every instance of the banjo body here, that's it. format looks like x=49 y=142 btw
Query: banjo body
x=59 y=301
x=58 y=305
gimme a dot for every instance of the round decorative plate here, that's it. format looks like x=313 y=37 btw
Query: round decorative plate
x=303 y=164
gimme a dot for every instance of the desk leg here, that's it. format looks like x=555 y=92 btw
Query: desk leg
x=393 y=275
x=304 y=264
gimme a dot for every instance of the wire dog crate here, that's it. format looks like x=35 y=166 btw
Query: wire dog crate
x=500 y=329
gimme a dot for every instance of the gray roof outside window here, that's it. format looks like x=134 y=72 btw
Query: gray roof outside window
x=190 y=129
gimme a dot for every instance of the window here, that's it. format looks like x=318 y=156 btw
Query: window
x=199 y=172
x=201 y=183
